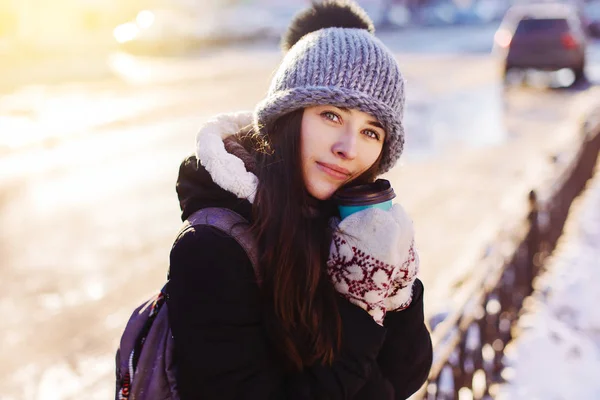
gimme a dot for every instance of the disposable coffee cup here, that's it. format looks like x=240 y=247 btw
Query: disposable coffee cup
x=378 y=194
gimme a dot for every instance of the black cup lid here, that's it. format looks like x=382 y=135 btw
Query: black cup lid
x=364 y=195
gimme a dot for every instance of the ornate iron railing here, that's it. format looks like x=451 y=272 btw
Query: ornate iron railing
x=469 y=342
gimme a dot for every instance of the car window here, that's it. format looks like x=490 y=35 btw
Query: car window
x=535 y=26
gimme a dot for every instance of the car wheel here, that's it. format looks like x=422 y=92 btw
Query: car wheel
x=512 y=76
x=507 y=72
x=579 y=73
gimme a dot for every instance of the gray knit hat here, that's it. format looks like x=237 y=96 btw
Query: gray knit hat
x=343 y=66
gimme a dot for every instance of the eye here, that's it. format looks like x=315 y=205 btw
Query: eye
x=333 y=117
x=372 y=134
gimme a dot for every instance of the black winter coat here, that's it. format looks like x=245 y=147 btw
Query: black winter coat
x=222 y=349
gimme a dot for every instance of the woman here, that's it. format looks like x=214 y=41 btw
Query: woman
x=338 y=313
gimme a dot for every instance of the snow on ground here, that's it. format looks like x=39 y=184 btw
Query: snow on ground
x=556 y=355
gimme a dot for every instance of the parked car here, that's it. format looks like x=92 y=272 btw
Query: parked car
x=544 y=36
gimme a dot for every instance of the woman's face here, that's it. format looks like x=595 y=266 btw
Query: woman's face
x=337 y=146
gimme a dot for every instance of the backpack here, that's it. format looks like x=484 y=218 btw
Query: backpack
x=145 y=360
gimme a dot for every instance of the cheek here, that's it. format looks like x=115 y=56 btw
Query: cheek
x=308 y=149
x=315 y=182
x=313 y=141
x=368 y=156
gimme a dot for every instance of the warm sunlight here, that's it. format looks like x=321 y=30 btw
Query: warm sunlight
x=126 y=32
x=145 y=19
x=121 y=118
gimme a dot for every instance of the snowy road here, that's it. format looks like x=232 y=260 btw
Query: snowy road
x=88 y=206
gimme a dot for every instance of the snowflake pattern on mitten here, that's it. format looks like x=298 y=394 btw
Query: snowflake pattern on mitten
x=359 y=277
x=369 y=252
x=400 y=294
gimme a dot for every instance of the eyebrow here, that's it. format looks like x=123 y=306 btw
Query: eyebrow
x=372 y=123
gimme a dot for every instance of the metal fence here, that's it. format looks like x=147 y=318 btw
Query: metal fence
x=469 y=343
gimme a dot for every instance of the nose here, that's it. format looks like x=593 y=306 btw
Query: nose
x=346 y=145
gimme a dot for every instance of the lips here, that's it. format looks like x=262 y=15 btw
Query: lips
x=334 y=171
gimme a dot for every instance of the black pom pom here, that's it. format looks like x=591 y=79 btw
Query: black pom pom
x=326 y=14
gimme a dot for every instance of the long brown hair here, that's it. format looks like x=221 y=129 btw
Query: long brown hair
x=293 y=233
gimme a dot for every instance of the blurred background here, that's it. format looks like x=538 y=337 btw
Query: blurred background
x=101 y=100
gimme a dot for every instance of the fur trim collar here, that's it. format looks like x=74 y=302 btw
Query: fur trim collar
x=225 y=169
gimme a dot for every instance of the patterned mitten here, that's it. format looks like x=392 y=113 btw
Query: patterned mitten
x=367 y=256
x=400 y=294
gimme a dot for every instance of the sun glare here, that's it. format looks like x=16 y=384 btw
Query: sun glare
x=145 y=19
x=126 y=32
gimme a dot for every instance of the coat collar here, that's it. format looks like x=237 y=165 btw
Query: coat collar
x=225 y=169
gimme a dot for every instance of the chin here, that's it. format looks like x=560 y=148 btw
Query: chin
x=321 y=190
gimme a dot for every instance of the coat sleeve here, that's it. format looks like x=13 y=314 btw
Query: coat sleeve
x=221 y=348
x=406 y=356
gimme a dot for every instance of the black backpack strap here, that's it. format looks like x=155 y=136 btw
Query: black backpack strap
x=230 y=223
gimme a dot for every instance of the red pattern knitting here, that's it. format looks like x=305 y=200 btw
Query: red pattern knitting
x=361 y=274
x=405 y=277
